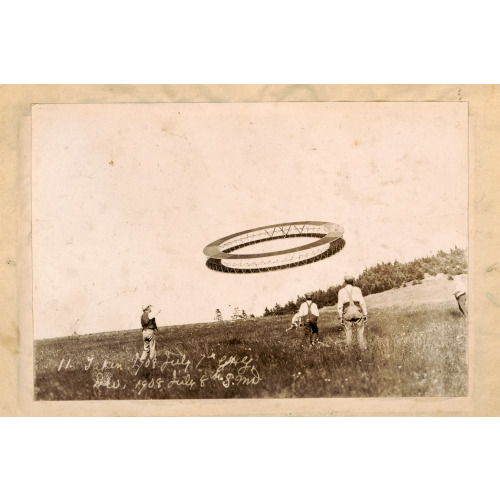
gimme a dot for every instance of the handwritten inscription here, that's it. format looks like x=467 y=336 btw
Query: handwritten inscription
x=106 y=380
x=175 y=360
x=102 y=366
x=145 y=384
x=246 y=373
x=65 y=363
x=173 y=369
x=184 y=380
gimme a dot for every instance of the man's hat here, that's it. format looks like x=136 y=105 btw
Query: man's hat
x=309 y=295
x=145 y=307
x=348 y=278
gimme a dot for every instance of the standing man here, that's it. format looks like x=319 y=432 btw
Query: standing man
x=149 y=329
x=461 y=295
x=352 y=311
x=309 y=315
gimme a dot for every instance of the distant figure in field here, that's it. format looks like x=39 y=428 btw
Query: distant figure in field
x=149 y=329
x=460 y=293
x=352 y=311
x=309 y=315
x=295 y=323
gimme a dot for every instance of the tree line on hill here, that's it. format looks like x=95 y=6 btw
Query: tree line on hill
x=386 y=276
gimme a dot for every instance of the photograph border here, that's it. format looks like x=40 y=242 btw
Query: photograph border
x=482 y=100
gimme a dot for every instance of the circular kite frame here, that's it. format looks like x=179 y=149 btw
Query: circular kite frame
x=329 y=242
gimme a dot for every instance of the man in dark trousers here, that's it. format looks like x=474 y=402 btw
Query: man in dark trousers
x=149 y=329
x=309 y=315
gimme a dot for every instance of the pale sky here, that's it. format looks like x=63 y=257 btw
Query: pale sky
x=126 y=196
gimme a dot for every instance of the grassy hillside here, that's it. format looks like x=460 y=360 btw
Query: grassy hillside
x=431 y=290
x=388 y=276
x=417 y=346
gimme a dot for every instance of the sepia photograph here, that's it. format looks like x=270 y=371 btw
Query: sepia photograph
x=191 y=230
x=250 y=250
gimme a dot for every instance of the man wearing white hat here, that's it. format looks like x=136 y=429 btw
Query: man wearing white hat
x=149 y=328
x=352 y=311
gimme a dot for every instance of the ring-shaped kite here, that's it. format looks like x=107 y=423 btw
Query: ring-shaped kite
x=328 y=242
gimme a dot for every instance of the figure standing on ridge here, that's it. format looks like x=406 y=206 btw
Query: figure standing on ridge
x=309 y=315
x=149 y=329
x=352 y=311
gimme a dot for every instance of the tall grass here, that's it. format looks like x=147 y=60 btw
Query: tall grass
x=412 y=351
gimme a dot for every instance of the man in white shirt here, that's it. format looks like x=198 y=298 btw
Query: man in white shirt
x=295 y=322
x=460 y=293
x=149 y=329
x=309 y=315
x=352 y=311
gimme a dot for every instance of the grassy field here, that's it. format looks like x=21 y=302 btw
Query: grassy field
x=418 y=349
